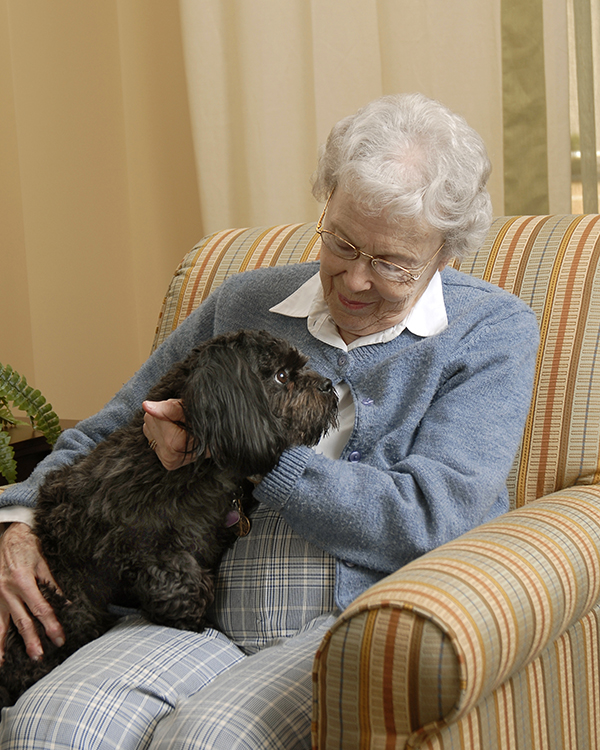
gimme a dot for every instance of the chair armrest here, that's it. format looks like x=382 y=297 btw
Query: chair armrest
x=422 y=647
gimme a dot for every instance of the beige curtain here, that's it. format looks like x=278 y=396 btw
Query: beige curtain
x=268 y=79
x=133 y=127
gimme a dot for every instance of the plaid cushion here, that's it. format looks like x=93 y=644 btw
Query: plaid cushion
x=271 y=583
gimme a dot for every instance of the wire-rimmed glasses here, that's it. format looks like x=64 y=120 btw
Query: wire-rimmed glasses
x=345 y=250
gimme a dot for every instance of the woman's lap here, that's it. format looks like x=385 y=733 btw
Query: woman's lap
x=263 y=702
x=112 y=692
x=136 y=682
x=116 y=691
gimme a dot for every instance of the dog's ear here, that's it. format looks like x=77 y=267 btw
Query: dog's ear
x=227 y=412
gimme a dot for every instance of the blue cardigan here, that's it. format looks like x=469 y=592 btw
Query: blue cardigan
x=438 y=422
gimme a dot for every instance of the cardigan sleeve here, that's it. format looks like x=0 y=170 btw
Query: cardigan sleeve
x=379 y=509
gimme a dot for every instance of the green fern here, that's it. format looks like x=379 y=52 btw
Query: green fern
x=14 y=389
x=7 y=418
x=8 y=465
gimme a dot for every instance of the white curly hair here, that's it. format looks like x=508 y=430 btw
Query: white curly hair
x=411 y=157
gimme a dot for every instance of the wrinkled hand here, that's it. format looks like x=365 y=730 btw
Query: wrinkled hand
x=21 y=567
x=171 y=444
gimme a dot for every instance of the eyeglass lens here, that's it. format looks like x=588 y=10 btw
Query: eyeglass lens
x=345 y=250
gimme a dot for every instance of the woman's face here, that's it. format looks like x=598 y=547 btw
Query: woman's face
x=360 y=301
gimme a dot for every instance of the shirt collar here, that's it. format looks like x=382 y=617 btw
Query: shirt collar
x=426 y=318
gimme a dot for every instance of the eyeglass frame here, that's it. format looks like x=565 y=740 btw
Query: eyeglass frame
x=373 y=258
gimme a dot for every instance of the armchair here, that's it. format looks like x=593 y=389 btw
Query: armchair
x=491 y=641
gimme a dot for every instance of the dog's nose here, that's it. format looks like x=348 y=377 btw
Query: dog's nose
x=326 y=386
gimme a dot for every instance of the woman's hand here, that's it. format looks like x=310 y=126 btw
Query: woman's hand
x=170 y=441
x=21 y=567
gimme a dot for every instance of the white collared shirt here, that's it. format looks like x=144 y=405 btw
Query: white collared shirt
x=426 y=318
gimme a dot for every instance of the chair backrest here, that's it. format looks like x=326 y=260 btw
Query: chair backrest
x=551 y=262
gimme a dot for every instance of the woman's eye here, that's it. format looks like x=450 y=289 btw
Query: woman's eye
x=282 y=377
x=343 y=248
x=390 y=268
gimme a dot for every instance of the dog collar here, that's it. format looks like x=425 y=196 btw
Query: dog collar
x=237 y=515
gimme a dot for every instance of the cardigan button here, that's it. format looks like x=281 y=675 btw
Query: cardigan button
x=342 y=360
x=355 y=456
x=367 y=401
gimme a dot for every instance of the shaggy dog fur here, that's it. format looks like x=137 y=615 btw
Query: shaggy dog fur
x=116 y=527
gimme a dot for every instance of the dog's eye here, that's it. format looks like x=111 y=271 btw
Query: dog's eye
x=282 y=377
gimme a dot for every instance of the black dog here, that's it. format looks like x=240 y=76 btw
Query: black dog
x=117 y=527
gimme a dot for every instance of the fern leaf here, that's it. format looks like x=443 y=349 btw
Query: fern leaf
x=14 y=387
x=7 y=418
x=49 y=424
x=8 y=465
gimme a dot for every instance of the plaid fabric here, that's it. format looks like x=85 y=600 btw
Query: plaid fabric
x=272 y=589
x=112 y=692
x=271 y=583
x=264 y=703
x=198 y=688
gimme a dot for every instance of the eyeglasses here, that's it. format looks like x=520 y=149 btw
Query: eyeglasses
x=346 y=251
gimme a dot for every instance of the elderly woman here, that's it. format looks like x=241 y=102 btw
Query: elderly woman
x=434 y=373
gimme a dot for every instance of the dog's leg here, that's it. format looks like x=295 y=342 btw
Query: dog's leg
x=175 y=591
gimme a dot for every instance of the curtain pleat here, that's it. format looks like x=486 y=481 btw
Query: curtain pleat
x=524 y=108
x=98 y=190
x=289 y=71
x=586 y=109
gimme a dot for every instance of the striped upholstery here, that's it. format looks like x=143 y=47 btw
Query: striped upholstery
x=225 y=253
x=552 y=262
x=489 y=642
x=492 y=641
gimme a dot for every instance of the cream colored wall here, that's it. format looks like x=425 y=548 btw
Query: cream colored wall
x=98 y=189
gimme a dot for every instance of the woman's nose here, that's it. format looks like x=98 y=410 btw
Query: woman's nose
x=359 y=274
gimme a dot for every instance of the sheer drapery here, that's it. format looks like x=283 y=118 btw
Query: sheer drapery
x=133 y=127
x=268 y=79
